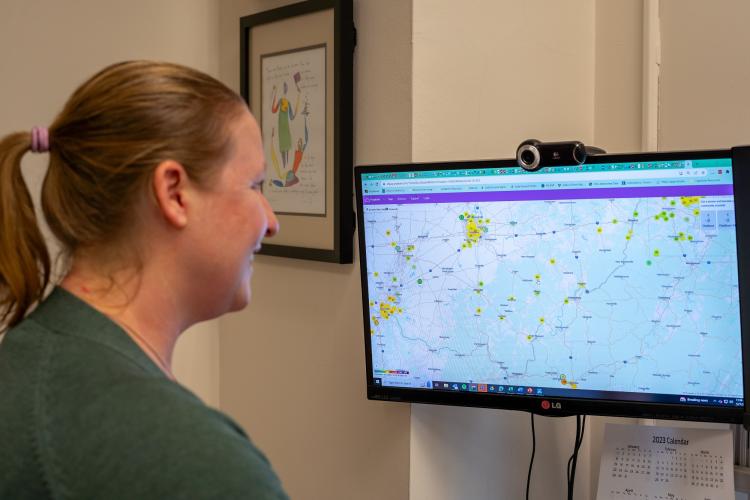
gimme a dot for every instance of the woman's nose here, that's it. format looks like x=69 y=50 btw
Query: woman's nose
x=273 y=221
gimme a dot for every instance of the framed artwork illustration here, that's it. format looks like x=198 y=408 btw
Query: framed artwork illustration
x=296 y=76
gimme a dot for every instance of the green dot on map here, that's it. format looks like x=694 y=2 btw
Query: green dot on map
x=419 y=281
x=648 y=262
x=461 y=217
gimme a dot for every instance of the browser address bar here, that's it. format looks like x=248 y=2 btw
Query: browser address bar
x=567 y=177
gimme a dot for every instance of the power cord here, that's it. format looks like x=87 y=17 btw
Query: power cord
x=573 y=460
x=533 y=452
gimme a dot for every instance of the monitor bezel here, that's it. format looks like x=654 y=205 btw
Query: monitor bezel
x=564 y=406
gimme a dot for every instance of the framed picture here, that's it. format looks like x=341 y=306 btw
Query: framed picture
x=296 y=75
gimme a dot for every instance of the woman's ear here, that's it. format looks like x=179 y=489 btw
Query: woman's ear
x=171 y=185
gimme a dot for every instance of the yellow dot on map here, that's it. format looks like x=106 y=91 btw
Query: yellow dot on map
x=376 y=322
x=463 y=245
x=581 y=284
x=393 y=243
x=627 y=237
x=400 y=310
x=487 y=221
x=696 y=212
x=541 y=320
x=552 y=261
x=614 y=221
x=566 y=301
x=372 y=303
x=376 y=274
x=573 y=385
x=529 y=337
x=388 y=233
x=656 y=253
x=501 y=317
x=408 y=258
x=599 y=230
x=479 y=310
x=372 y=331
x=537 y=276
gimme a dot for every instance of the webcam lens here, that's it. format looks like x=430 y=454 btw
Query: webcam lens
x=527 y=157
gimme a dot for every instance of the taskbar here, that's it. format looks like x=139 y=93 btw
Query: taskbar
x=524 y=390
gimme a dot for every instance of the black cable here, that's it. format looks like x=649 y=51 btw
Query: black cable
x=573 y=460
x=572 y=457
x=575 y=444
x=533 y=452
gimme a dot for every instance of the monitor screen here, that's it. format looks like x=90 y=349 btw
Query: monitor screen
x=606 y=288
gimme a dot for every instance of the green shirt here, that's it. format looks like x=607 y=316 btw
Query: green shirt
x=84 y=413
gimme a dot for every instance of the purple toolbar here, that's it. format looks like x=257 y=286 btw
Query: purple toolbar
x=550 y=194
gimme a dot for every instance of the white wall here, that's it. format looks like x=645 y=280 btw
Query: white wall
x=48 y=48
x=486 y=75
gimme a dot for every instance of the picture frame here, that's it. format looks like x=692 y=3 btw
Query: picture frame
x=296 y=74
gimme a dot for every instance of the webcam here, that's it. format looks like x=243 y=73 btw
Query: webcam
x=533 y=154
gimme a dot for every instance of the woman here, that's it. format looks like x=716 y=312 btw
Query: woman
x=153 y=192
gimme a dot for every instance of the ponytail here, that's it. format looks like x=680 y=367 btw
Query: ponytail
x=24 y=258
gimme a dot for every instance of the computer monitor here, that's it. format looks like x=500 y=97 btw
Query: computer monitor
x=609 y=288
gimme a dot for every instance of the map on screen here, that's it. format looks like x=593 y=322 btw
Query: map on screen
x=591 y=281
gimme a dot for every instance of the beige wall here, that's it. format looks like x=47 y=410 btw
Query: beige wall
x=47 y=48
x=618 y=75
x=489 y=74
x=704 y=96
x=292 y=364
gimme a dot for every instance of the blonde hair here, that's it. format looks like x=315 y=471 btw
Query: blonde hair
x=113 y=131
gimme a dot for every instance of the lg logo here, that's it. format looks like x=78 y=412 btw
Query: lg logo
x=546 y=405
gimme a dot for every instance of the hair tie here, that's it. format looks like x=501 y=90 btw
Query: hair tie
x=39 y=140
